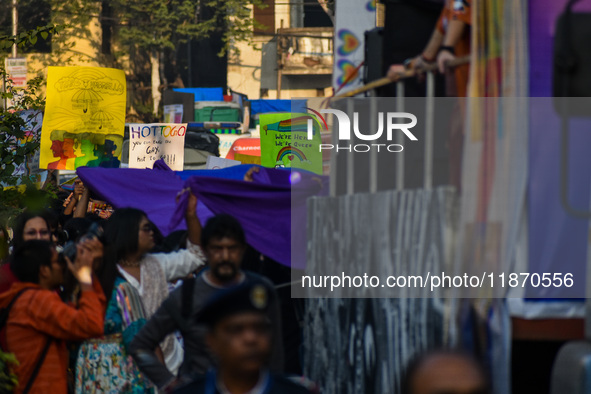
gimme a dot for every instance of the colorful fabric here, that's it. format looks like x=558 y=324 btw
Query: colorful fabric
x=39 y=314
x=458 y=10
x=157 y=270
x=104 y=365
x=275 y=193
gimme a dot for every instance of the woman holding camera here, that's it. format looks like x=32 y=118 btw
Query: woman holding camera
x=136 y=283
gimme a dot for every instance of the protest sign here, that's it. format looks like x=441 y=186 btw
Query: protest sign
x=84 y=118
x=285 y=143
x=154 y=141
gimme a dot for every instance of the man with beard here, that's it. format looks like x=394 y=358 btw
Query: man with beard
x=224 y=244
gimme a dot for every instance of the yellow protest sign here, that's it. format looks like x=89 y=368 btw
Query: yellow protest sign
x=84 y=118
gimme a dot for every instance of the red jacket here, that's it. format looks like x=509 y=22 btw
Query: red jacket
x=7 y=278
x=40 y=313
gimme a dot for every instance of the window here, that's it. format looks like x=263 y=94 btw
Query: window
x=265 y=17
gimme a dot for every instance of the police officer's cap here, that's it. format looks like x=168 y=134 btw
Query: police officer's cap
x=253 y=295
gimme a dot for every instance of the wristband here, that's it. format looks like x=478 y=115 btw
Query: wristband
x=447 y=48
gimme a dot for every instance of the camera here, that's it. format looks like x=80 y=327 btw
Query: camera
x=95 y=231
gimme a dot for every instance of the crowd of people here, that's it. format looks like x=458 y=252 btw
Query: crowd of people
x=95 y=305
x=98 y=305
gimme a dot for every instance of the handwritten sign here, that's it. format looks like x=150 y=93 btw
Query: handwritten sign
x=84 y=118
x=284 y=141
x=154 y=141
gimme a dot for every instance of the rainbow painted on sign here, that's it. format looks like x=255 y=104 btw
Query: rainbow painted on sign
x=350 y=42
x=297 y=125
x=349 y=72
x=371 y=5
x=290 y=152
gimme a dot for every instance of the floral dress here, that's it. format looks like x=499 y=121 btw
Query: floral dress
x=103 y=364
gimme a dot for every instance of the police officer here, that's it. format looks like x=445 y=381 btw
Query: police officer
x=240 y=337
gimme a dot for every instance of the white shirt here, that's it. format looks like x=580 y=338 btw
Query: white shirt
x=153 y=292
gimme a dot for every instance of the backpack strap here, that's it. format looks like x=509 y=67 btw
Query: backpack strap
x=6 y=311
x=38 y=365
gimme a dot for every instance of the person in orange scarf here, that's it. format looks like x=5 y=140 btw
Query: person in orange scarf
x=39 y=322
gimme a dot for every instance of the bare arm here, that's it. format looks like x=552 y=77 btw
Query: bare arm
x=429 y=54
x=193 y=223
x=430 y=51
x=455 y=30
x=82 y=206
x=71 y=205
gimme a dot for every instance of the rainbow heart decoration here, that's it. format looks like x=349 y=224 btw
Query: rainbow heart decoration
x=350 y=42
x=350 y=72
x=371 y=5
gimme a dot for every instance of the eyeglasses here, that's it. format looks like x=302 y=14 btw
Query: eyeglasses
x=147 y=228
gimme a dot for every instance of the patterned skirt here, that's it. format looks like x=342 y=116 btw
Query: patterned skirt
x=103 y=366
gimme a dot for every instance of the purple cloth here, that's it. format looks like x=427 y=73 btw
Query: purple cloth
x=161 y=165
x=268 y=208
x=152 y=191
x=557 y=241
x=272 y=209
x=542 y=22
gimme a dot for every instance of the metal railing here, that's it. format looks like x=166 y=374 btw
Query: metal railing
x=398 y=78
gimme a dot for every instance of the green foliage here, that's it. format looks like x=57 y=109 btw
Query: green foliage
x=16 y=146
x=30 y=37
x=8 y=380
x=157 y=28
x=160 y=24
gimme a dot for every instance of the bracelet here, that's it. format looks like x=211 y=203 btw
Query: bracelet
x=448 y=48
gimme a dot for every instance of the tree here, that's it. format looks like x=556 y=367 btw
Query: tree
x=151 y=27
x=143 y=36
x=16 y=147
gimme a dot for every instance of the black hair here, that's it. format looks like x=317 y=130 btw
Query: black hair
x=29 y=257
x=121 y=241
x=173 y=242
x=419 y=360
x=222 y=226
x=19 y=226
x=51 y=218
x=76 y=227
